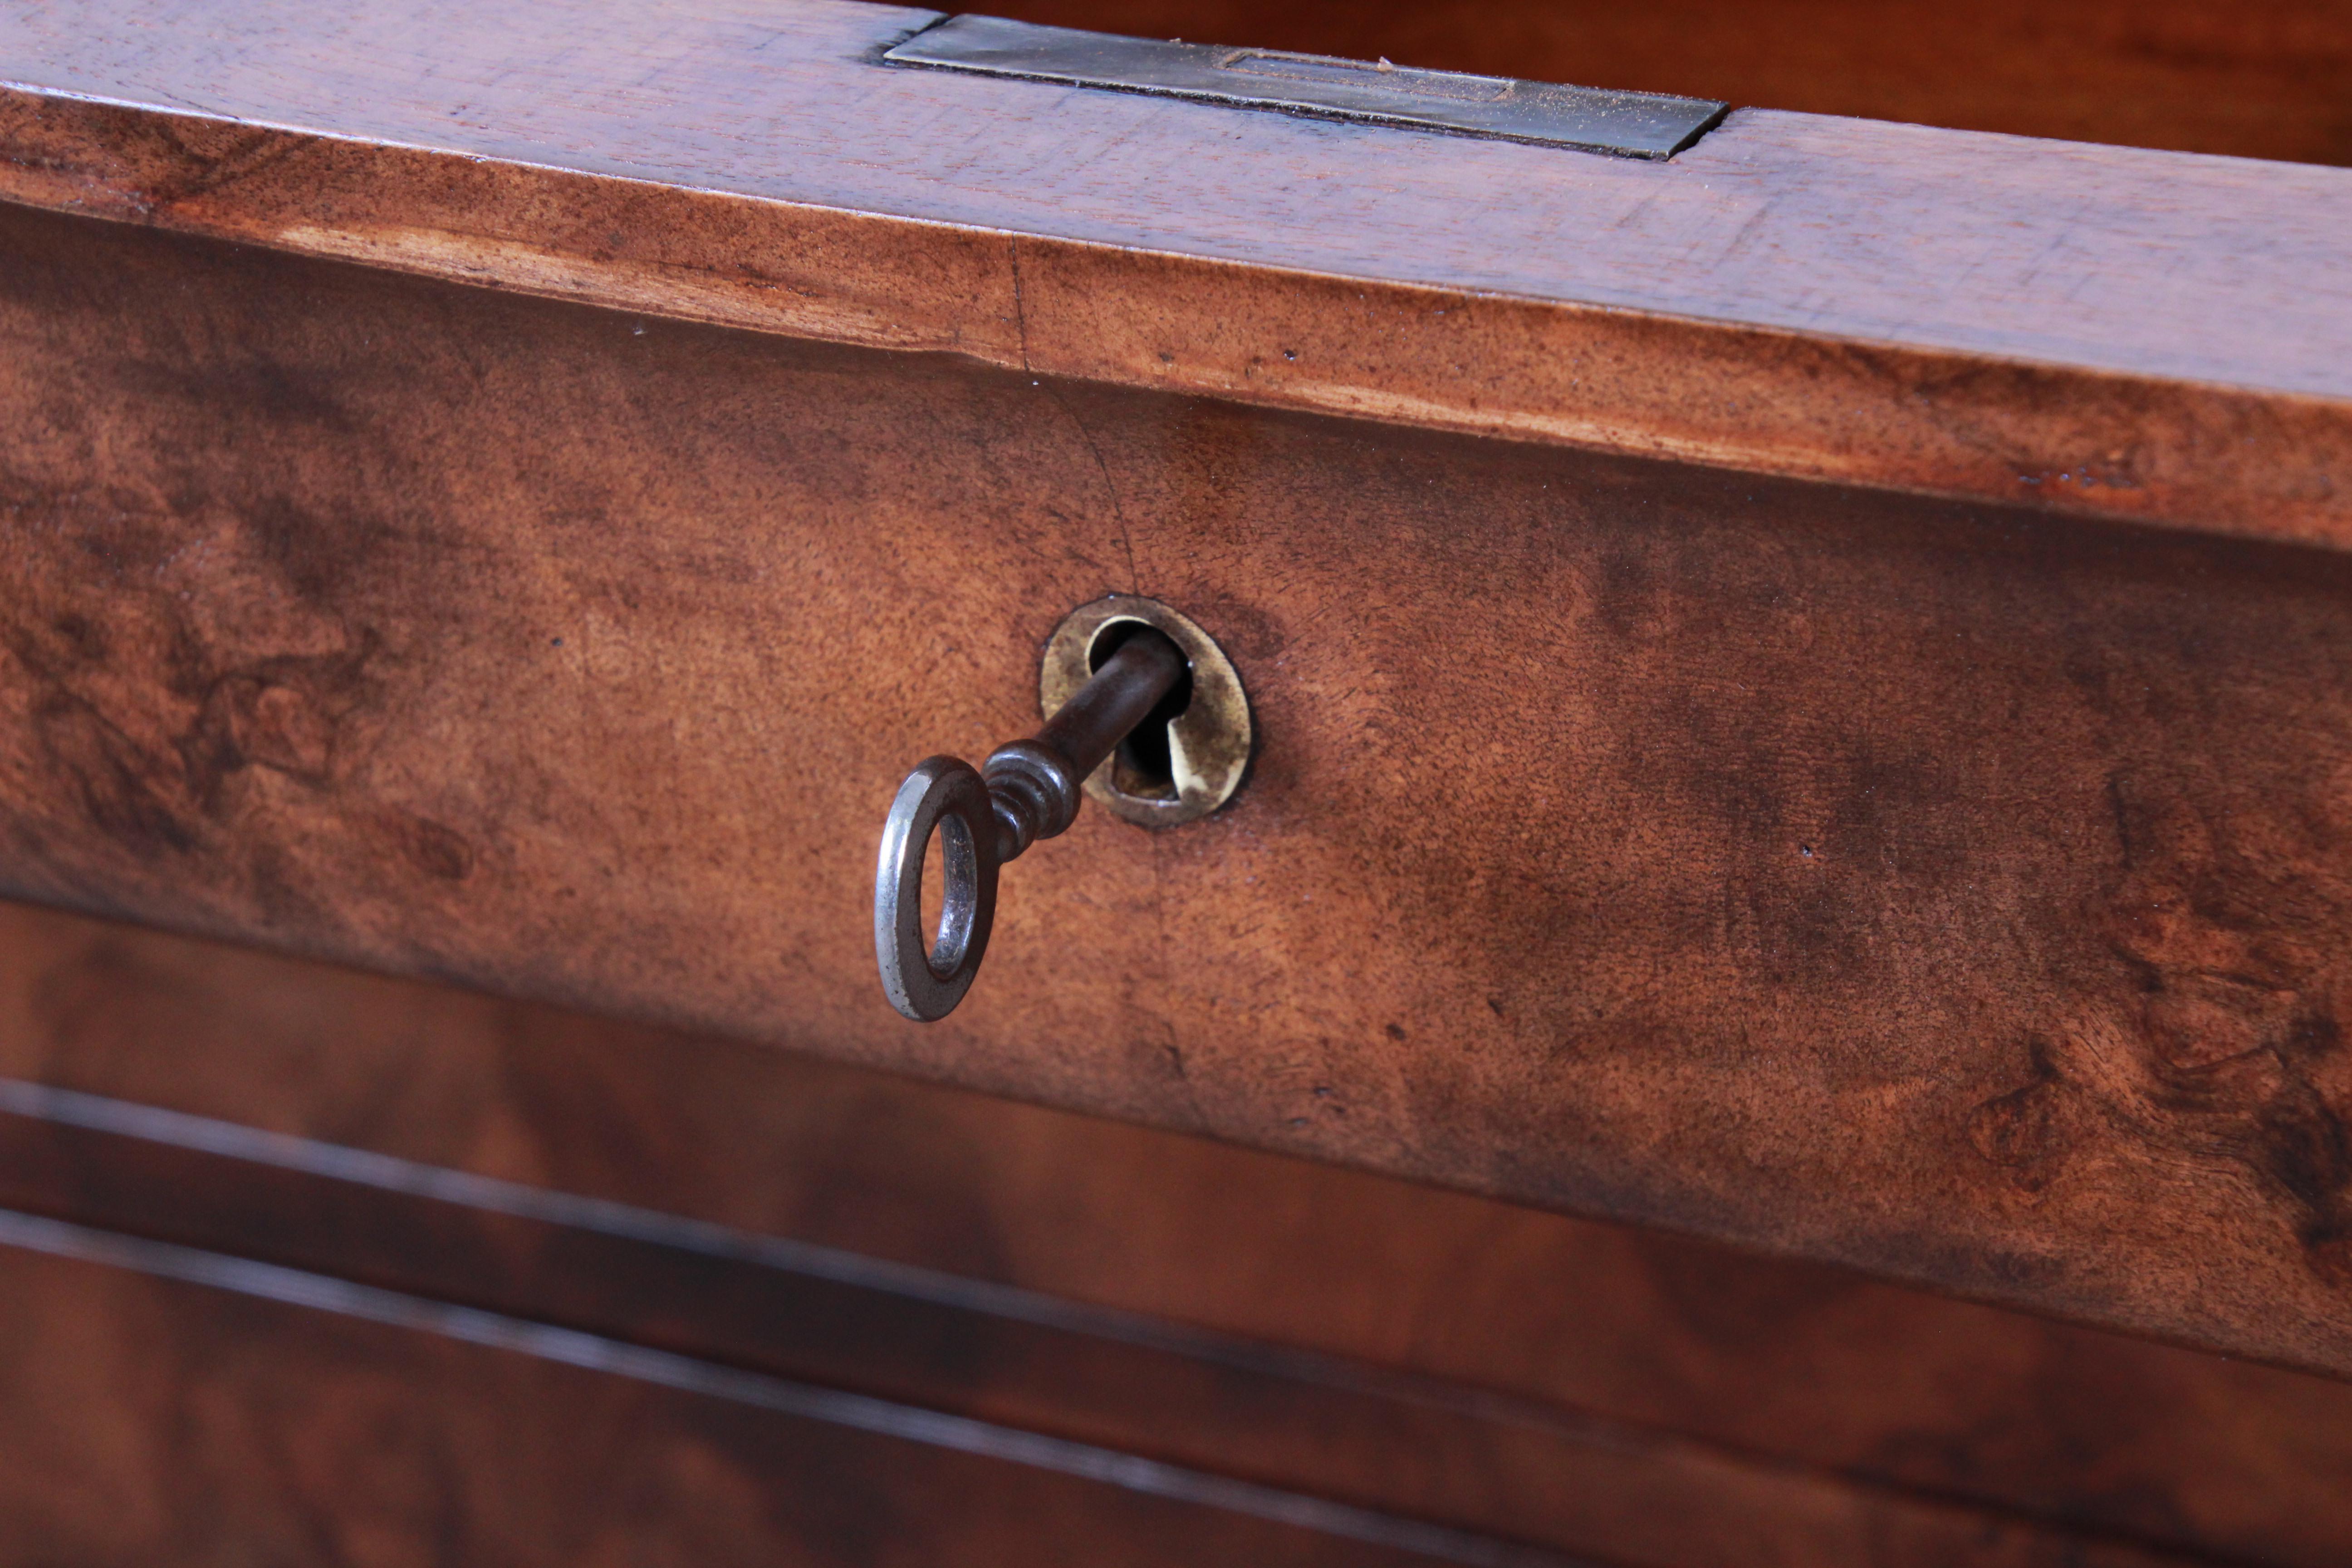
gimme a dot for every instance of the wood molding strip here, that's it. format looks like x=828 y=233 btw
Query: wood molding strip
x=688 y=1374
x=2162 y=338
x=909 y=1354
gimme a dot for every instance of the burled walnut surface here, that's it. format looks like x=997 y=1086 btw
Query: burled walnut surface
x=1955 y=891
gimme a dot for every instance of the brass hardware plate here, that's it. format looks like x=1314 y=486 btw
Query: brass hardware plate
x=1588 y=119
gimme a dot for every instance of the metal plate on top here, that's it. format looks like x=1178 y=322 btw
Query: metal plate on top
x=1590 y=119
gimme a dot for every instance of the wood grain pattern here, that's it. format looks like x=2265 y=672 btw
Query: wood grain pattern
x=1816 y=1412
x=154 y=1421
x=1951 y=892
x=2098 y=331
x=2266 y=79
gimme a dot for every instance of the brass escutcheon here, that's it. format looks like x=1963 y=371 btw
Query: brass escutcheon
x=1208 y=742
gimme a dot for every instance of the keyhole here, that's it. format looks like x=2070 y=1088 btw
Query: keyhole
x=1144 y=765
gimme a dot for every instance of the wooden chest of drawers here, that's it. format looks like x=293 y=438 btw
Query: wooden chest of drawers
x=1799 y=705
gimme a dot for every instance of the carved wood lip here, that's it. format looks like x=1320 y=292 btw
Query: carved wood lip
x=2258 y=455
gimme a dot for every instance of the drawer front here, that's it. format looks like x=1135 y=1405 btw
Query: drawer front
x=1949 y=889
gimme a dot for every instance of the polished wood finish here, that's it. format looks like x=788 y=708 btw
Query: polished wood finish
x=1951 y=892
x=2266 y=78
x=2096 y=331
x=1615 y=1392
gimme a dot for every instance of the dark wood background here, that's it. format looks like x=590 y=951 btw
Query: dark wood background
x=2271 y=79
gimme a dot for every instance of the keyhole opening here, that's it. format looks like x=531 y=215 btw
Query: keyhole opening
x=950 y=896
x=1144 y=765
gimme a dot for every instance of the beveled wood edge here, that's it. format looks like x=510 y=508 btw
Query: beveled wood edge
x=2062 y=438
